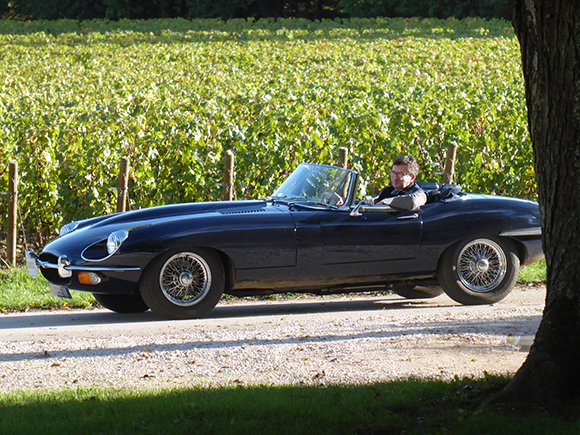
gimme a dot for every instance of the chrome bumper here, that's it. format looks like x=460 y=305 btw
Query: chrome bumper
x=65 y=268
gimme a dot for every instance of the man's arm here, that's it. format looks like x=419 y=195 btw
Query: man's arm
x=411 y=201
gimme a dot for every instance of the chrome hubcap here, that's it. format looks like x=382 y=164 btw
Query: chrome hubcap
x=185 y=279
x=482 y=265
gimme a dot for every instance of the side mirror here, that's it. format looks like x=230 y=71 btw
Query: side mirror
x=367 y=200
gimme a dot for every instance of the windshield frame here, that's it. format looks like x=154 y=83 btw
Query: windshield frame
x=301 y=179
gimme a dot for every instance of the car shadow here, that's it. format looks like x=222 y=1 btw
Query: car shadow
x=48 y=319
x=313 y=307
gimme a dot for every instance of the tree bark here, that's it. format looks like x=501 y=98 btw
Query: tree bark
x=549 y=36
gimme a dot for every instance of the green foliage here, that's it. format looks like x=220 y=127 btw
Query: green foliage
x=174 y=95
x=227 y=9
x=427 y=8
x=148 y=9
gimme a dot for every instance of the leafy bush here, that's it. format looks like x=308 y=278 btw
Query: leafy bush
x=226 y=9
x=174 y=95
x=148 y=9
x=427 y=8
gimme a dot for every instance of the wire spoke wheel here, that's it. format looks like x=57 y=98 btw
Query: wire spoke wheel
x=185 y=279
x=481 y=265
x=479 y=271
x=183 y=284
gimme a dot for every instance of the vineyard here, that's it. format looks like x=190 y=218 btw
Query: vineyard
x=174 y=95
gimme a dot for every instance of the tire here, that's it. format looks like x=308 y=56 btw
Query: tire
x=417 y=291
x=479 y=271
x=122 y=303
x=183 y=285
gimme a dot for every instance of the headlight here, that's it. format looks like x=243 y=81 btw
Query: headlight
x=68 y=228
x=115 y=240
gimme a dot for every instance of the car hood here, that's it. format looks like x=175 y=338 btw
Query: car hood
x=98 y=228
x=147 y=216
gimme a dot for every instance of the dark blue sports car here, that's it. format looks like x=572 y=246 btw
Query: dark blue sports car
x=312 y=235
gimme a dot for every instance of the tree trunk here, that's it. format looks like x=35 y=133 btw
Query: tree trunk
x=549 y=36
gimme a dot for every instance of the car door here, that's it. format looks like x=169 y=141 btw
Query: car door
x=381 y=241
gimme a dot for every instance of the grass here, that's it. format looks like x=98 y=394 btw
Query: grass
x=19 y=292
x=400 y=407
x=533 y=274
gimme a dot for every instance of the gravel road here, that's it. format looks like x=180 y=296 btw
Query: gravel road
x=312 y=340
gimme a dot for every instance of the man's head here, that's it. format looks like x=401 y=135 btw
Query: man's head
x=403 y=172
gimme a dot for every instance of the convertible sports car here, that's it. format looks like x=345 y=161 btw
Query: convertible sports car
x=312 y=235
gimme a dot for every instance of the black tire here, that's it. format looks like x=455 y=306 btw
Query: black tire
x=417 y=291
x=479 y=271
x=122 y=303
x=183 y=285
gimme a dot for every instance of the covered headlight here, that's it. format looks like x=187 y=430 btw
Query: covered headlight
x=115 y=240
x=68 y=228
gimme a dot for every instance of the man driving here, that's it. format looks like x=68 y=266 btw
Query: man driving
x=403 y=193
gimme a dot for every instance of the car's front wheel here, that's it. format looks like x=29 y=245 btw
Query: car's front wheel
x=183 y=285
x=479 y=271
x=122 y=303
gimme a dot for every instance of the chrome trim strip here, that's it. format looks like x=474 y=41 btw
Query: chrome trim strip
x=46 y=265
x=537 y=231
x=92 y=260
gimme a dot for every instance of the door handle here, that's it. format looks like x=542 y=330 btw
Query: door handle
x=412 y=216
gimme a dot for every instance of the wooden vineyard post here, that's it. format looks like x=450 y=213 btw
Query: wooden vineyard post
x=229 y=176
x=450 y=163
x=343 y=157
x=12 y=213
x=123 y=184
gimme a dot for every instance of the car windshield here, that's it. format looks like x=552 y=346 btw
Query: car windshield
x=318 y=184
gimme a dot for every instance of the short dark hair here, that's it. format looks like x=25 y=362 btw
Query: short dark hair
x=411 y=163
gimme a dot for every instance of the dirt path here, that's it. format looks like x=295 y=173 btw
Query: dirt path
x=310 y=340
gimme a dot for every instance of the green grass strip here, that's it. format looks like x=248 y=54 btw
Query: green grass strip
x=409 y=407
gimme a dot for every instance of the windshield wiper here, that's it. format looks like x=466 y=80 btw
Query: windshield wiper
x=312 y=205
x=285 y=199
x=324 y=204
x=301 y=201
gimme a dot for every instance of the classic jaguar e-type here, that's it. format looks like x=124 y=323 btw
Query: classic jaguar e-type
x=311 y=235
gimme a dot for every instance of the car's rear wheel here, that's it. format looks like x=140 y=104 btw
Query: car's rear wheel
x=183 y=285
x=479 y=271
x=417 y=291
x=122 y=303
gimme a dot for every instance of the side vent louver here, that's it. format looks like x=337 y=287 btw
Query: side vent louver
x=246 y=211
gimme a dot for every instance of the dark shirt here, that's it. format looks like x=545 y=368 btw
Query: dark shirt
x=410 y=198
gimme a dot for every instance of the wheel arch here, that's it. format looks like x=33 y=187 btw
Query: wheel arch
x=227 y=262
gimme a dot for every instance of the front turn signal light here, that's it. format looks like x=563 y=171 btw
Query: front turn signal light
x=89 y=278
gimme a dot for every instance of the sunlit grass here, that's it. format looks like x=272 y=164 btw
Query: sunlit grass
x=533 y=274
x=19 y=292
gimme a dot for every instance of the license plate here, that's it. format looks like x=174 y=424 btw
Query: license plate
x=60 y=291
x=31 y=265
